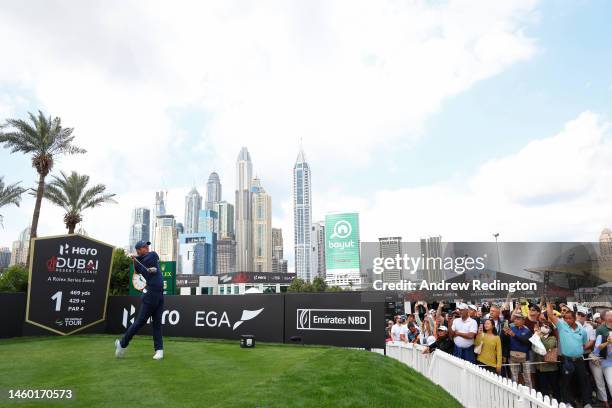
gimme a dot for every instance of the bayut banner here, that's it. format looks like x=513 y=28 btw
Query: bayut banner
x=342 y=241
x=68 y=283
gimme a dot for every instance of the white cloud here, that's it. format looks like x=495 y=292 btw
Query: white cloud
x=352 y=79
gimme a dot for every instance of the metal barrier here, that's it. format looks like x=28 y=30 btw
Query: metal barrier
x=471 y=385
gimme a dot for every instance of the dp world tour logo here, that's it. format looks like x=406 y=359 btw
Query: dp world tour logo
x=342 y=229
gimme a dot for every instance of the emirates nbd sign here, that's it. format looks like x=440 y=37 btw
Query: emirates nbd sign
x=342 y=241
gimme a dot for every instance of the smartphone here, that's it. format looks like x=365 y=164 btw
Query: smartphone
x=506 y=324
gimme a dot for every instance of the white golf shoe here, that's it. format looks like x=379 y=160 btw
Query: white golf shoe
x=159 y=354
x=119 y=351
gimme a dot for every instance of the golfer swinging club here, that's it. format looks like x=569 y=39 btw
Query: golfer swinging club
x=147 y=264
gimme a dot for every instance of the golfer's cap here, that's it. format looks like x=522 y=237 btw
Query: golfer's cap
x=473 y=307
x=442 y=328
x=462 y=306
x=596 y=316
x=141 y=244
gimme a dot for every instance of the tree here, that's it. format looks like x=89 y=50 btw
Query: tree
x=10 y=194
x=120 y=273
x=318 y=284
x=14 y=279
x=296 y=285
x=71 y=193
x=43 y=138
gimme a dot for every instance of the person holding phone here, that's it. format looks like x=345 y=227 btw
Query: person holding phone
x=490 y=356
x=603 y=347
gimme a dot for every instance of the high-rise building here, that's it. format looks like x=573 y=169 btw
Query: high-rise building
x=605 y=244
x=317 y=252
x=277 y=248
x=197 y=253
x=282 y=266
x=193 y=205
x=213 y=191
x=262 y=228
x=141 y=224
x=20 y=248
x=180 y=228
x=431 y=248
x=226 y=256
x=209 y=221
x=390 y=247
x=5 y=257
x=166 y=237
x=302 y=217
x=342 y=256
x=225 y=215
x=243 y=213
x=158 y=209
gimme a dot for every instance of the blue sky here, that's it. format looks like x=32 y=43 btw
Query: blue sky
x=418 y=115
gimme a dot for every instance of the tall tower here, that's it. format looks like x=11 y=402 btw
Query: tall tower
x=213 y=191
x=277 y=248
x=302 y=217
x=262 y=228
x=166 y=237
x=193 y=205
x=243 y=212
x=158 y=209
x=141 y=224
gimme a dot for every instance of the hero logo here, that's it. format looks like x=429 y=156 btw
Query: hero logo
x=64 y=261
x=173 y=317
x=210 y=318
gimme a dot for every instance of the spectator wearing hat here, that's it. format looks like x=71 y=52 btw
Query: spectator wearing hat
x=443 y=341
x=547 y=374
x=572 y=338
x=597 y=320
x=519 y=348
x=490 y=356
x=463 y=330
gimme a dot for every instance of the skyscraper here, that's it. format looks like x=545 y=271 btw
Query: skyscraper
x=431 y=248
x=19 y=251
x=193 y=205
x=302 y=209
x=197 y=253
x=262 y=228
x=317 y=252
x=226 y=256
x=158 y=209
x=5 y=257
x=166 y=237
x=243 y=213
x=213 y=191
x=277 y=248
x=390 y=247
x=225 y=215
x=141 y=224
x=209 y=221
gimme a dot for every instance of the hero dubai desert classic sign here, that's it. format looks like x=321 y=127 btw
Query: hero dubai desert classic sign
x=68 y=283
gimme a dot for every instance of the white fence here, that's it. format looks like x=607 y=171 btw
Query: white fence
x=471 y=385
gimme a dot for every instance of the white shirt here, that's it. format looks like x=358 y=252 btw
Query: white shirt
x=464 y=326
x=396 y=330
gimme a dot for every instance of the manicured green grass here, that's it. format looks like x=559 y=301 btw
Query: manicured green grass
x=209 y=373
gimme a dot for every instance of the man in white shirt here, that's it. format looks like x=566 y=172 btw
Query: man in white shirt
x=396 y=330
x=594 y=364
x=463 y=330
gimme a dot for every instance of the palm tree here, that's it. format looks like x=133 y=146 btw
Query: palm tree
x=10 y=194
x=71 y=193
x=45 y=139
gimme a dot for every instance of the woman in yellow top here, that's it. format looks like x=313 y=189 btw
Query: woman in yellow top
x=490 y=357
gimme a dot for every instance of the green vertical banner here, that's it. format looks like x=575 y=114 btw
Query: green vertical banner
x=342 y=241
x=168 y=270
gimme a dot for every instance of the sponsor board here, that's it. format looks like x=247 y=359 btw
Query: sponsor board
x=68 y=282
x=334 y=319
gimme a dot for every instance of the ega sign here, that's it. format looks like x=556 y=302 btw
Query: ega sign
x=68 y=282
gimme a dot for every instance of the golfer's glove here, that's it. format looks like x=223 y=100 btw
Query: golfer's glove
x=152 y=269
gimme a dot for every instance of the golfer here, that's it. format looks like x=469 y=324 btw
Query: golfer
x=147 y=264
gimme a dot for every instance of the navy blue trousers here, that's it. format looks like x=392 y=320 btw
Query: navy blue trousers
x=465 y=353
x=153 y=307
